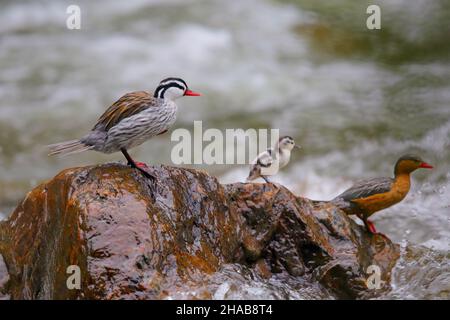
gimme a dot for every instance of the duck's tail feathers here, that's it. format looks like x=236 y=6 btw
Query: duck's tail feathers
x=251 y=177
x=68 y=147
x=253 y=174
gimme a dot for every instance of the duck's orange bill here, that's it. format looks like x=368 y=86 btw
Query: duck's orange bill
x=425 y=165
x=191 y=93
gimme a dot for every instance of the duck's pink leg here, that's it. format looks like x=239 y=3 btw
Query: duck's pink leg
x=371 y=227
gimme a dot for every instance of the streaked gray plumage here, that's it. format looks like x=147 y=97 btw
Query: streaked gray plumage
x=155 y=117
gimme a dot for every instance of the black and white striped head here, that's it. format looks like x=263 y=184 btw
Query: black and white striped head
x=287 y=143
x=173 y=88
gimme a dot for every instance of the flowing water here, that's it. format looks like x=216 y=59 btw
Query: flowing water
x=355 y=99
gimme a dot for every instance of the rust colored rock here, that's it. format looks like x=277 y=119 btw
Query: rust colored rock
x=130 y=242
x=104 y=220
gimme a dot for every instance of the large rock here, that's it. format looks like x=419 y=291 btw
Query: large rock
x=132 y=240
x=310 y=239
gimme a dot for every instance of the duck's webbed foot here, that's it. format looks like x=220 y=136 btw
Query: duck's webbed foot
x=152 y=180
x=270 y=182
x=141 y=166
x=145 y=171
x=371 y=228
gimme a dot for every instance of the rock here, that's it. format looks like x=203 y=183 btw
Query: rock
x=306 y=238
x=129 y=242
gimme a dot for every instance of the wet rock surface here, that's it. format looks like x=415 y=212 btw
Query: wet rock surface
x=181 y=238
x=315 y=240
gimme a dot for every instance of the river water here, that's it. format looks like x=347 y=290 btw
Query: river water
x=355 y=99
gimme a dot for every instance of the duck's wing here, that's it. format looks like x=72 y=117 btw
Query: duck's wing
x=265 y=158
x=128 y=105
x=366 y=188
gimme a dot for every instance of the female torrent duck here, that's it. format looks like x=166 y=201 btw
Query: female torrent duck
x=366 y=197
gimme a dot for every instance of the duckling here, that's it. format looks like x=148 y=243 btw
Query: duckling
x=268 y=162
x=366 y=197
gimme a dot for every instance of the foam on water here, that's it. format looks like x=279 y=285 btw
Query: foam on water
x=420 y=273
x=235 y=281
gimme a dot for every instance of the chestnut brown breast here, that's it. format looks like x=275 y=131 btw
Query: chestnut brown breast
x=380 y=201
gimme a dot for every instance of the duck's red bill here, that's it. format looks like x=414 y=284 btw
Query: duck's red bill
x=425 y=165
x=191 y=93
